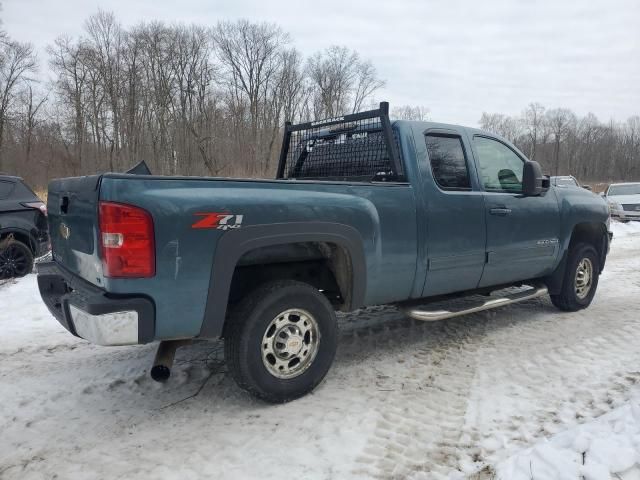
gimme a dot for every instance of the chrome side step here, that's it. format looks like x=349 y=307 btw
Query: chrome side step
x=418 y=313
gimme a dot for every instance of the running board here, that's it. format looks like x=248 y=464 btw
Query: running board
x=433 y=315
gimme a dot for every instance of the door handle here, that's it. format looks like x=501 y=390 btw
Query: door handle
x=502 y=211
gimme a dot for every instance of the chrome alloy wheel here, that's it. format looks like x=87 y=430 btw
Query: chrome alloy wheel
x=290 y=343
x=584 y=278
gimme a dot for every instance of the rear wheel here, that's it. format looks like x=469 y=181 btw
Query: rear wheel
x=16 y=259
x=281 y=340
x=580 y=279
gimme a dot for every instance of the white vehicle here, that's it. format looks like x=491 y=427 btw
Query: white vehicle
x=624 y=201
x=565 y=181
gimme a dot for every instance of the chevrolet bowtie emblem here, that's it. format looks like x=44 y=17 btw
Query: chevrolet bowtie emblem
x=65 y=231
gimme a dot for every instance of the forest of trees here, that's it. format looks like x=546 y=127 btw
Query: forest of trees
x=199 y=100
x=565 y=144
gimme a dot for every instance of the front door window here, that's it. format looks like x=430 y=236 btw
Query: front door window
x=500 y=167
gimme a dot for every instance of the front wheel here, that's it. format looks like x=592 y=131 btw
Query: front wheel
x=281 y=340
x=580 y=279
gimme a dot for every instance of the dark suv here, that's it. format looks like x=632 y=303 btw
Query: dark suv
x=23 y=227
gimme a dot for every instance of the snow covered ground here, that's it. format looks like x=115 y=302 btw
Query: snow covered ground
x=525 y=392
x=604 y=448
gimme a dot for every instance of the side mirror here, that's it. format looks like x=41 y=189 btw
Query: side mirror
x=533 y=182
x=587 y=187
x=603 y=194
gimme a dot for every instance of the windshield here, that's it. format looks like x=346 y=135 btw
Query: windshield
x=630 y=189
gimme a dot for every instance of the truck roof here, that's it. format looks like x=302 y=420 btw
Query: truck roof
x=430 y=124
x=9 y=177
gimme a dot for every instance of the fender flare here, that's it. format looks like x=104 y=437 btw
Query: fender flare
x=32 y=244
x=555 y=279
x=235 y=243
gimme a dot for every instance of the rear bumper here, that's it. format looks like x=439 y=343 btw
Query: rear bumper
x=93 y=314
x=43 y=246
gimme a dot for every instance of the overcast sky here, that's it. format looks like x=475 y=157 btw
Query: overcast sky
x=457 y=58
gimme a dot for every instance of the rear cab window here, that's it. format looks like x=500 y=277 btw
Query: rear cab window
x=448 y=161
x=6 y=187
x=500 y=168
x=24 y=191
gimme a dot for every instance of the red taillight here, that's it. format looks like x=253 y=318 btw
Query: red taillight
x=37 y=205
x=126 y=240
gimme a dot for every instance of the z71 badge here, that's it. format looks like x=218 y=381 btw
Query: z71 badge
x=220 y=221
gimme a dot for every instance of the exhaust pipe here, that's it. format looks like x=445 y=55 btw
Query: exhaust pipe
x=161 y=369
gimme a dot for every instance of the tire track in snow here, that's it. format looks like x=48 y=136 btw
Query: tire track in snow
x=421 y=419
x=399 y=402
x=486 y=385
x=559 y=373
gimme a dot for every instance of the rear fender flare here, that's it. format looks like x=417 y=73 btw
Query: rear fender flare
x=235 y=243
x=21 y=234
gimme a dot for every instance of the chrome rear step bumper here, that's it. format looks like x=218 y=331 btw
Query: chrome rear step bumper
x=90 y=312
x=424 y=314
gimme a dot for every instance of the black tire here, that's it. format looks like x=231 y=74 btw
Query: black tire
x=253 y=319
x=568 y=299
x=16 y=259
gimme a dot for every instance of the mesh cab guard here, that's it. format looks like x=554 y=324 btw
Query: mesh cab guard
x=361 y=147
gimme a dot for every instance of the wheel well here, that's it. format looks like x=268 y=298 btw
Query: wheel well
x=326 y=266
x=21 y=237
x=594 y=234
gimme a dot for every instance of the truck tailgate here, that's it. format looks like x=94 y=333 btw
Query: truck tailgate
x=72 y=205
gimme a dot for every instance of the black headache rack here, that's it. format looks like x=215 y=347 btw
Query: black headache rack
x=357 y=147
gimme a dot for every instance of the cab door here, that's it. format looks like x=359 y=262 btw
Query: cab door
x=455 y=221
x=522 y=231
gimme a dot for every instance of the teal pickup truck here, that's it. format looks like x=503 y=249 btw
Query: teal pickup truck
x=364 y=211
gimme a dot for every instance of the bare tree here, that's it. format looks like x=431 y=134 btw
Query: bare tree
x=201 y=101
x=408 y=112
x=3 y=34
x=294 y=89
x=366 y=84
x=533 y=118
x=17 y=61
x=252 y=57
x=585 y=147
x=66 y=59
x=193 y=75
x=332 y=74
x=504 y=125
x=104 y=51
x=631 y=146
x=560 y=121
x=30 y=117
x=340 y=81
